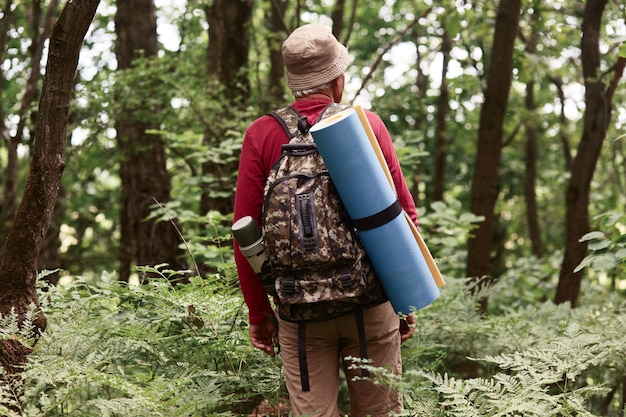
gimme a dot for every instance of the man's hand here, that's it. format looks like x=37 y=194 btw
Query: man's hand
x=407 y=327
x=263 y=337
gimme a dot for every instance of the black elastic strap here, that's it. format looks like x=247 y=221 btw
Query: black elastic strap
x=304 y=368
x=302 y=147
x=360 y=328
x=378 y=219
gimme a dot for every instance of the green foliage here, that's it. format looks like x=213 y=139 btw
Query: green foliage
x=21 y=330
x=200 y=128
x=538 y=359
x=446 y=228
x=152 y=350
x=607 y=253
x=112 y=349
x=159 y=349
x=207 y=237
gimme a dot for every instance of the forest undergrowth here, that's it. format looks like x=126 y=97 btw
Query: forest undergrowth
x=160 y=350
x=165 y=349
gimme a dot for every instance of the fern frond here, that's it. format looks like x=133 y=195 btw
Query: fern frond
x=566 y=357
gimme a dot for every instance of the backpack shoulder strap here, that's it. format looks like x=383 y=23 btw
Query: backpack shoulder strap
x=293 y=123
x=289 y=119
x=331 y=109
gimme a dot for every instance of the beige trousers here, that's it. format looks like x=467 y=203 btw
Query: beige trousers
x=324 y=345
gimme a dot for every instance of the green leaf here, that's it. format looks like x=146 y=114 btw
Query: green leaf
x=604 y=262
x=585 y=263
x=599 y=244
x=591 y=236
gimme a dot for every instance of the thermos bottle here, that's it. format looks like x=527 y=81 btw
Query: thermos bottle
x=248 y=235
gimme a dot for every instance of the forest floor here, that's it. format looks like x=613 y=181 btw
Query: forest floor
x=265 y=409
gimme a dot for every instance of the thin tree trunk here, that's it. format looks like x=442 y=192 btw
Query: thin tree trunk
x=532 y=216
x=19 y=258
x=596 y=118
x=484 y=190
x=532 y=213
x=567 y=149
x=441 y=142
x=338 y=19
x=421 y=82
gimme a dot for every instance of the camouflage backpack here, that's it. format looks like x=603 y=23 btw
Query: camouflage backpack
x=320 y=268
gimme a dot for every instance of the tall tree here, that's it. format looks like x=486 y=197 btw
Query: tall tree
x=484 y=189
x=143 y=161
x=598 y=102
x=18 y=271
x=441 y=141
x=227 y=81
x=532 y=215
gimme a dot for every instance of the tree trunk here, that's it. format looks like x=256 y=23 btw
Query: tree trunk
x=24 y=240
x=441 y=143
x=532 y=215
x=229 y=44
x=227 y=64
x=596 y=118
x=49 y=258
x=143 y=162
x=338 y=19
x=9 y=200
x=277 y=31
x=484 y=190
x=419 y=115
x=565 y=141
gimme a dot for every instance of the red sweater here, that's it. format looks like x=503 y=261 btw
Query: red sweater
x=261 y=148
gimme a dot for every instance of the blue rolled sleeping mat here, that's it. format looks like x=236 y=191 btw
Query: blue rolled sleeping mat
x=357 y=167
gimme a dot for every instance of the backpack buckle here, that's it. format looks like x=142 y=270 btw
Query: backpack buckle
x=303 y=124
x=346 y=281
x=289 y=286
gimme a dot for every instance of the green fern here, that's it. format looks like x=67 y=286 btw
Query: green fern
x=162 y=350
x=560 y=361
x=23 y=329
x=534 y=359
x=152 y=350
